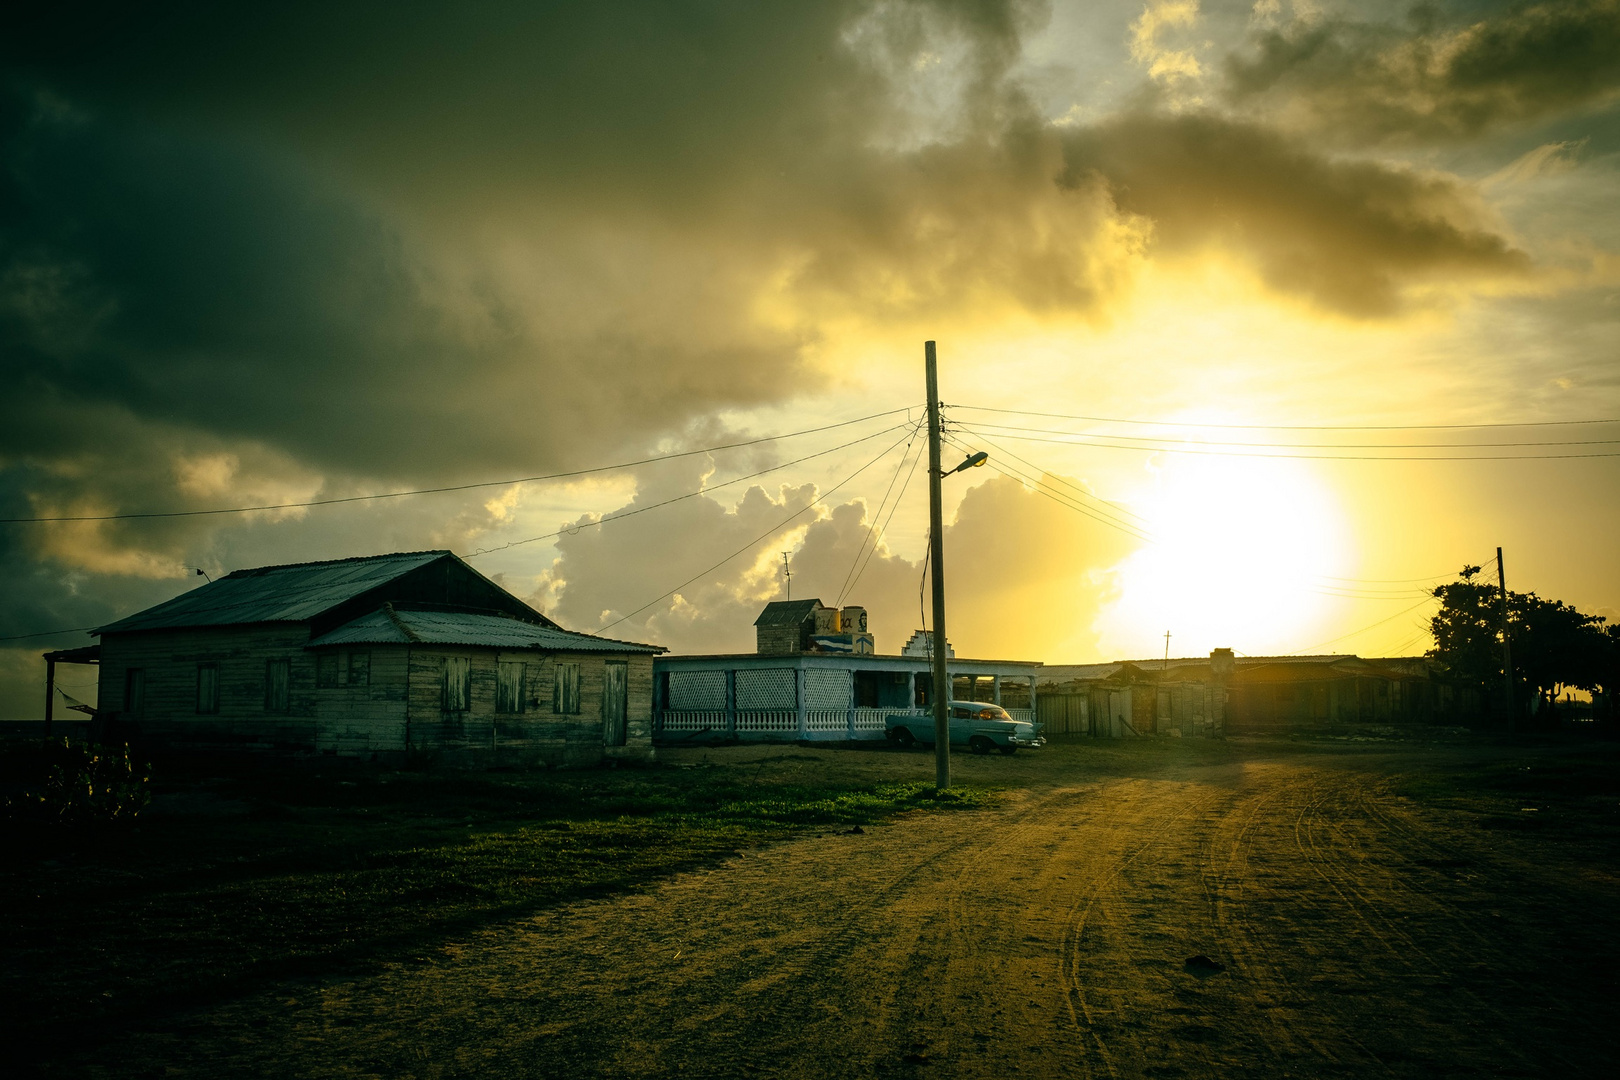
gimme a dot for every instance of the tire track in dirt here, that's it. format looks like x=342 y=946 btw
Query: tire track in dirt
x=1043 y=937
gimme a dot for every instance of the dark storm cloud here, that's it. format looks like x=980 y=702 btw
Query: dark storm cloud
x=1428 y=80
x=1347 y=235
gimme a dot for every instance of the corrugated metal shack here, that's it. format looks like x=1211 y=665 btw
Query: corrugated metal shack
x=1224 y=693
x=374 y=655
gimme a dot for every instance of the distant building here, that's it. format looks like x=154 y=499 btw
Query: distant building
x=791 y=627
x=1225 y=693
x=374 y=655
x=816 y=675
x=921 y=643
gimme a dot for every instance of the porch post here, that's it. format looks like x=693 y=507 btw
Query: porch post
x=995 y=688
x=50 y=693
x=731 y=703
x=804 y=709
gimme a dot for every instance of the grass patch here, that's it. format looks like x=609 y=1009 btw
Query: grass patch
x=241 y=872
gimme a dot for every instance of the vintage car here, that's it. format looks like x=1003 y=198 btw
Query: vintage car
x=975 y=725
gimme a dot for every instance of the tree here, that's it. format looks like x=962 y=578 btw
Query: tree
x=1555 y=646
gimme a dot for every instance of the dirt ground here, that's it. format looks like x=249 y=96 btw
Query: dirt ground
x=1350 y=929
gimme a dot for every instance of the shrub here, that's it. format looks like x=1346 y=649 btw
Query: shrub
x=84 y=785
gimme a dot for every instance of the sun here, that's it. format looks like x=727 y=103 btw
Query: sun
x=1241 y=547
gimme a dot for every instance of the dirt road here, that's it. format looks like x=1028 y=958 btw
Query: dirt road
x=1352 y=932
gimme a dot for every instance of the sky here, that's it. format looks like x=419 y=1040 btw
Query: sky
x=1270 y=315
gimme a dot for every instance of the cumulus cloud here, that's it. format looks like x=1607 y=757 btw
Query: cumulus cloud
x=1352 y=80
x=1348 y=235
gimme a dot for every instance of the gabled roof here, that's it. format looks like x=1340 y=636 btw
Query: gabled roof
x=786 y=612
x=394 y=625
x=291 y=593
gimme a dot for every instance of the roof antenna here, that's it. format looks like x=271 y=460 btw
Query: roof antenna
x=787 y=576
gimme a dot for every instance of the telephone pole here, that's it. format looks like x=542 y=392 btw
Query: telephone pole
x=1507 y=649
x=787 y=577
x=936 y=554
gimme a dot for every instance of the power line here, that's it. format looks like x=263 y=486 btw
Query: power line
x=452 y=487
x=892 y=509
x=871 y=529
x=1291 y=427
x=1062 y=499
x=1364 y=629
x=778 y=527
x=571 y=529
x=1048 y=472
x=48 y=633
x=1293 y=457
x=1287 y=445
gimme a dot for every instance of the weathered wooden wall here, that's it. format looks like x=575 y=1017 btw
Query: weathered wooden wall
x=398 y=703
x=537 y=733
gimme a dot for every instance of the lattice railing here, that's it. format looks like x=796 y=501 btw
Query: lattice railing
x=691 y=691
x=767 y=690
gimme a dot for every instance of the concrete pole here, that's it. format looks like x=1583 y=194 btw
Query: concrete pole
x=936 y=554
x=1507 y=649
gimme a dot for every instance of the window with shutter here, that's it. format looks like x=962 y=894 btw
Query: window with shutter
x=359 y=667
x=565 y=690
x=207 y=688
x=277 y=681
x=509 y=689
x=456 y=690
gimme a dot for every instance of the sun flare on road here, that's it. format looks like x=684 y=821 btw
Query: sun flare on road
x=1240 y=550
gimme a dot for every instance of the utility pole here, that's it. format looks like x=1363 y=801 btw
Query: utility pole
x=1507 y=649
x=936 y=554
x=1167 y=650
x=787 y=576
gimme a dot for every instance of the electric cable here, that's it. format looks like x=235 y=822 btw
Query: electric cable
x=871 y=528
x=1364 y=629
x=452 y=487
x=916 y=461
x=1060 y=479
x=1291 y=427
x=572 y=529
x=778 y=527
x=979 y=427
x=1061 y=500
x=1300 y=457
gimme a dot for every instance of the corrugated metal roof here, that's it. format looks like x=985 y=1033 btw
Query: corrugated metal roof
x=289 y=593
x=391 y=625
x=786 y=612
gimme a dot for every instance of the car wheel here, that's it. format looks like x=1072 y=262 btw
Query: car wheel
x=980 y=745
x=903 y=737
x=1009 y=749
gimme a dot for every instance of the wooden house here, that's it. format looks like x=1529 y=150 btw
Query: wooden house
x=374 y=655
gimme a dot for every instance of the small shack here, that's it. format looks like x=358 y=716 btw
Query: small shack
x=1225 y=693
x=374 y=655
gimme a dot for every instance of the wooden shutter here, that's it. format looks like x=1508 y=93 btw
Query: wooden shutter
x=208 y=688
x=277 y=680
x=509 y=689
x=615 y=701
x=565 y=690
x=456 y=690
x=359 y=667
